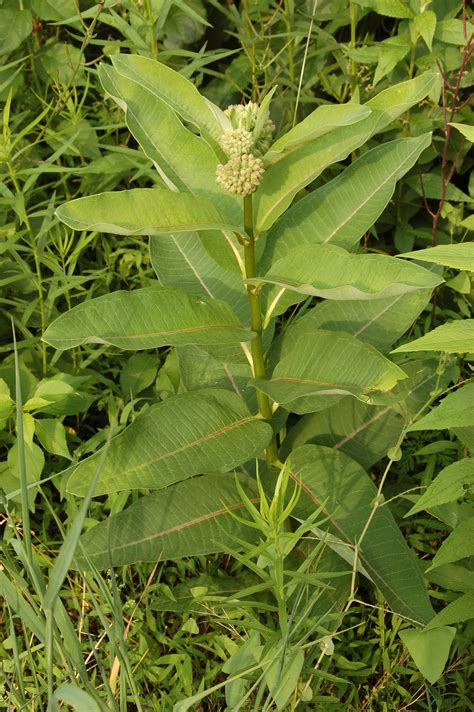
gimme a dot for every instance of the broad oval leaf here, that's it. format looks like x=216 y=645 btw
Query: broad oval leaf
x=342 y=210
x=174 y=89
x=330 y=272
x=459 y=256
x=455 y=337
x=322 y=120
x=143 y=211
x=185 y=435
x=188 y=519
x=379 y=322
x=319 y=367
x=332 y=480
x=284 y=179
x=184 y=158
x=145 y=319
x=459 y=544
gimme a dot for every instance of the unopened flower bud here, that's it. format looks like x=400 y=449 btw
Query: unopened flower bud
x=241 y=175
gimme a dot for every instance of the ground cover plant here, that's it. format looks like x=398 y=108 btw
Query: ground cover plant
x=235 y=398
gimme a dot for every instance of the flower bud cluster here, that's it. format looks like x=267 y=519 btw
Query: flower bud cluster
x=243 y=172
x=241 y=175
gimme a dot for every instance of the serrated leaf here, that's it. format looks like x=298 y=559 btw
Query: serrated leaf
x=458 y=545
x=143 y=211
x=331 y=273
x=425 y=24
x=342 y=210
x=455 y=337
x=185 y=435
x=147 y=318
x=390 y=8
x=332 y=480
x=429 y=649
x=454 y=411
x=465 y=129
x=188 y=519
x=453 y=482
x=323 y=366
x=459 y=256
x=52 y=436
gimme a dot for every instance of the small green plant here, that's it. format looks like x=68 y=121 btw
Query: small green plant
x=234 y=246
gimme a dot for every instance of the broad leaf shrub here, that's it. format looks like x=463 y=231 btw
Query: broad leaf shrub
x=234 y=246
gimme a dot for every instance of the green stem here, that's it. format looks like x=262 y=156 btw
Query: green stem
x=256 y=346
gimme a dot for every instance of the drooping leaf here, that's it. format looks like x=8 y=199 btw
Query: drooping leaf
x=202 y=431
x=458 y=545
x=453 y=338
x=429 y=649
x=342 y=210
x=147 y=318
x=459 y=256
x=366 y=432
x=188 y=519
x=453 y=482
x=453 y=577
x=332 y=273
x=174 y=89
x=320 y=367
x=322 y=120
x=331 y=479
x=52 y=436
x=143 y=211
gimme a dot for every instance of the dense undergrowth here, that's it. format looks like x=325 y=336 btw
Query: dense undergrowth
x=150 y=635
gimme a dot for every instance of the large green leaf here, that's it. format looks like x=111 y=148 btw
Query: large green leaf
x=182 y=261
x=183 y=157
x=322 y=120
x=367 y=432
x=342 y=210
x=188 y=519
x=379 y=322
x=390 y=8
x=454 y=411
x=319 y=367
x=460 y=256
x=143 y=211
x=145 y=319
x=452 y=338
x=330 y=479
x=429 y=649
x=452 y=483
x=186 y=435
x=175 y=90
x=285 y=178
x=332 y=273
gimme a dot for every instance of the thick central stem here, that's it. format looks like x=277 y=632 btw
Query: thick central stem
x=256 y=346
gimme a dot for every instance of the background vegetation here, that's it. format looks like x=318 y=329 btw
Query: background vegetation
x=149 y=636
